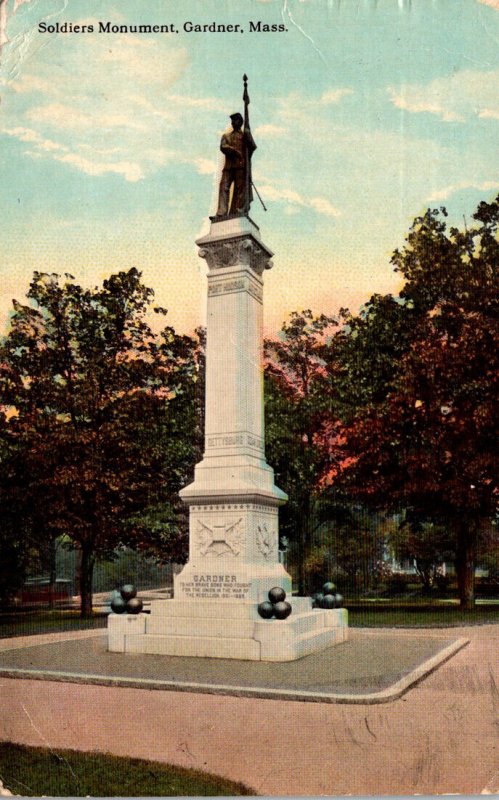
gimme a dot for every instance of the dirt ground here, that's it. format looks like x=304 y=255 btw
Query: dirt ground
x=441 y=737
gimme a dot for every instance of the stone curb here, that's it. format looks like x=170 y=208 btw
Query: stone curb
x=393 y=692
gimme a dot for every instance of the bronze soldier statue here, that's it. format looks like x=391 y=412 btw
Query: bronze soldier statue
x=237 y=146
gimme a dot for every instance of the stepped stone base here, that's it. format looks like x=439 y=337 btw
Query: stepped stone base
x=221 y=629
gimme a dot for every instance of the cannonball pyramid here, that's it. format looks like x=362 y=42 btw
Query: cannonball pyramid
x=127 y=602
x=276 y=606
x=328 y=598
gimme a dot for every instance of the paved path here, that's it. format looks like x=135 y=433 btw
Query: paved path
x=367 y=669
x=441 y=737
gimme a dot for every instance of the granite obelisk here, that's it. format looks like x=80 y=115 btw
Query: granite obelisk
x=233 y=500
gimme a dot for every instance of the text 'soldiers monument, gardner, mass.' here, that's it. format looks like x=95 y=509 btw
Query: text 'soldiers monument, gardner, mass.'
x=233 y=500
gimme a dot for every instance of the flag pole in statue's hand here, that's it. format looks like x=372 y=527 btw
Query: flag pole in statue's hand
x=246 y=101
x=249 y=180
x=247 y=157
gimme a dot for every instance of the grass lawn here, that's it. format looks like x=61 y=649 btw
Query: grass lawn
x=373 y=614
x=36 y=771
x=417 y=615
x=26 y=623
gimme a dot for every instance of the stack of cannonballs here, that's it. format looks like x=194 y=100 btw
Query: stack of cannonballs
x=126 y=601
x=327 y=598
x=276 y=606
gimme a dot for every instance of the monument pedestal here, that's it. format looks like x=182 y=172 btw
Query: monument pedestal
x=233 y=501
x=222 y=629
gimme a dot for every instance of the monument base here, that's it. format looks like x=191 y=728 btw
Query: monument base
x=222 y=629
x=233 y=500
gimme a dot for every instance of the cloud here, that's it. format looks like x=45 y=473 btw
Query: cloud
x=296 y=101
x=292 y=199
x=67 y=117
x=453 y=98
x=31 y=83
x=203 y=165
x=23 y=134
x=409 y=99
x=269 y=130
x=339 y=169
x=334 y=96
x=489 y=113
x=107 y=110
x=444 y=194
x=184 y=101
x=323 y=206
x=34 y=138
x=281 y=195
x=131 y=172
x=134 y=60
x=60 y=116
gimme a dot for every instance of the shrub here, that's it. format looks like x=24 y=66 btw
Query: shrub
x=398 y=583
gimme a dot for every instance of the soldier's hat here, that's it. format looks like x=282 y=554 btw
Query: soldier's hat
x=237 y=115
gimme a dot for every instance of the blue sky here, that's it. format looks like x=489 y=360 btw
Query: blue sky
x=365 y=112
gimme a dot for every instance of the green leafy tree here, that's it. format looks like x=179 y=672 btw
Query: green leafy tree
x=104 y=408
x=349 y=545
x=364 y=358
x=426 y=543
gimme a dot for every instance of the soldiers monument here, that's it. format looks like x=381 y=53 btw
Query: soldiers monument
x=233 y=501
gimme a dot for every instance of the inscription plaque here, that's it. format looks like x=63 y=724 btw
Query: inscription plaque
x=215 y=587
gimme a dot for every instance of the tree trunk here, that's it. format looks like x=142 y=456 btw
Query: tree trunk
x=425 y=572
x=304 y=545
x=465 y=563
x=301 y=559
x=86 y=580
x=52 y=571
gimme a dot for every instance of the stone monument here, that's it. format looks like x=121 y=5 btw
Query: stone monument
x=233 y=501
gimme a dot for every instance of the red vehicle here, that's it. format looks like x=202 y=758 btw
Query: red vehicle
x=39 y=591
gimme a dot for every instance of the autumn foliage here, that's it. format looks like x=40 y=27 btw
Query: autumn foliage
x=425 y=436
x=102 y=414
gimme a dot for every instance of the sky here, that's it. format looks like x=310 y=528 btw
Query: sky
x=365 y=113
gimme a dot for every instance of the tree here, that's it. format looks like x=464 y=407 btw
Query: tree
x=300 y=429
x=17 y=547
x=364 y=355
x=425 y=438
x=104 y=406
x=427 y=543
x=349 y=544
